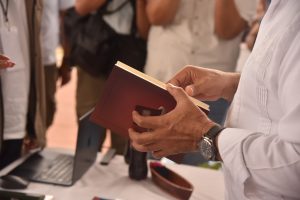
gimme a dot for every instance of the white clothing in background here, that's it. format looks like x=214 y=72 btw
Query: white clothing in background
x=50 y=28
x=261 y=152
x=191 y=39
x=121 y=20
x=15 y=81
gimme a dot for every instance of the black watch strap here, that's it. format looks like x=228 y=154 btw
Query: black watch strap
x=213 y=132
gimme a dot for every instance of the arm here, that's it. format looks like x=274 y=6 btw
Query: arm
x=251 y=36
x=84 y=7
x=142 y=21
x=162 y=12
x=270 y=162
x=228 y=21
x=273 y=159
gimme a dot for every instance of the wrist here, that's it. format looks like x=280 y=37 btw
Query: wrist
x=200 y=131
x=208 y=143
x=207 y=126
x=231 y=83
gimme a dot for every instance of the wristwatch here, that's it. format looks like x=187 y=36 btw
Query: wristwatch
x=207 y=145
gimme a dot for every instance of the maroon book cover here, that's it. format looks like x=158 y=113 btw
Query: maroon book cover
x=125 y=89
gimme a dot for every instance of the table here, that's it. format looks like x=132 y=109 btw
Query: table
x=112 y=181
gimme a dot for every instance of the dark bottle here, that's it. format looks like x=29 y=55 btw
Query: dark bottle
x=127 y=152
x=137 y=164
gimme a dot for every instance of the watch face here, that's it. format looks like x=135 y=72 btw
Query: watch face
x=206 y=149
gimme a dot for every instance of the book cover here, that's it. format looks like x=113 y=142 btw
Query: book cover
x=127 y=88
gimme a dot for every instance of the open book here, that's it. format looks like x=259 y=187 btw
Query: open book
x=127 y=88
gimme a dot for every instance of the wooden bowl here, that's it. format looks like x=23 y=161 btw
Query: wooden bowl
x=170 y=181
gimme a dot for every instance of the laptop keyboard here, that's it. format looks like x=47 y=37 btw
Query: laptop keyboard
x=59 y=171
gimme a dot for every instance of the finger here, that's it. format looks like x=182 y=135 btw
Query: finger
x=196 y=88
x=190 y=90
x=6 y=64
x=199 y=89
x=139 y=147
x=205 y=97
x=141 y=138
x=148 y=122
x=11 y=64
x=175 y=81
x=3 y=57
x=159 y=154
x=153 y=147
x=146 y=148
x=177 y=92
x=181 y=79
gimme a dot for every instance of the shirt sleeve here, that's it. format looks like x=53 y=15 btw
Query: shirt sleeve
x=247 y=9
x=65 y=4
x=271 y=162
x=256 y=159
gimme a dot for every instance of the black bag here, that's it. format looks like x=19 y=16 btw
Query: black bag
x=95 y=46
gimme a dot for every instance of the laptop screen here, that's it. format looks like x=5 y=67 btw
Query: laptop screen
x=39 y=165
x=89 y=138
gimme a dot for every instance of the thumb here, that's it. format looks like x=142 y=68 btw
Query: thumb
x=177 y=92
x=190 y=90
x=196 y=89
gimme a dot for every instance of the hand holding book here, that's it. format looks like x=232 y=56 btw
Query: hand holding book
x=124 y=89
x=178 y=131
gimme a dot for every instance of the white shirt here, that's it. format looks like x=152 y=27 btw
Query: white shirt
x=261 y=152
x=15 y=82
x=190 y=39
x=121 y=20
x=50 y=28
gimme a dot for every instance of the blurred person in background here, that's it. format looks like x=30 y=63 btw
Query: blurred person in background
x=260 y=12
x=51 y=29
x=204 y=33
x=22 y=90
x=89 y=88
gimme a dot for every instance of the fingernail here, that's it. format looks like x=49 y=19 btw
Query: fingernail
x=190 y=90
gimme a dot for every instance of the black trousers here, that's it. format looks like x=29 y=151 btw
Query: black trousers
x=11 y=150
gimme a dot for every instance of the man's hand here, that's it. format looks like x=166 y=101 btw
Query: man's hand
x=64 y=72
x=178 y=131
x=5 y=62
x=29 y=144
x=207 y=84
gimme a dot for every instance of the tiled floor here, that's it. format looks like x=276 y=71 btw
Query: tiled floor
x=63 y=131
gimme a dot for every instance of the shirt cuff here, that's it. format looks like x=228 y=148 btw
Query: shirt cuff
x=230 y=144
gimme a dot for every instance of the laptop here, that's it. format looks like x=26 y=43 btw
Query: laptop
x=64 y=169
